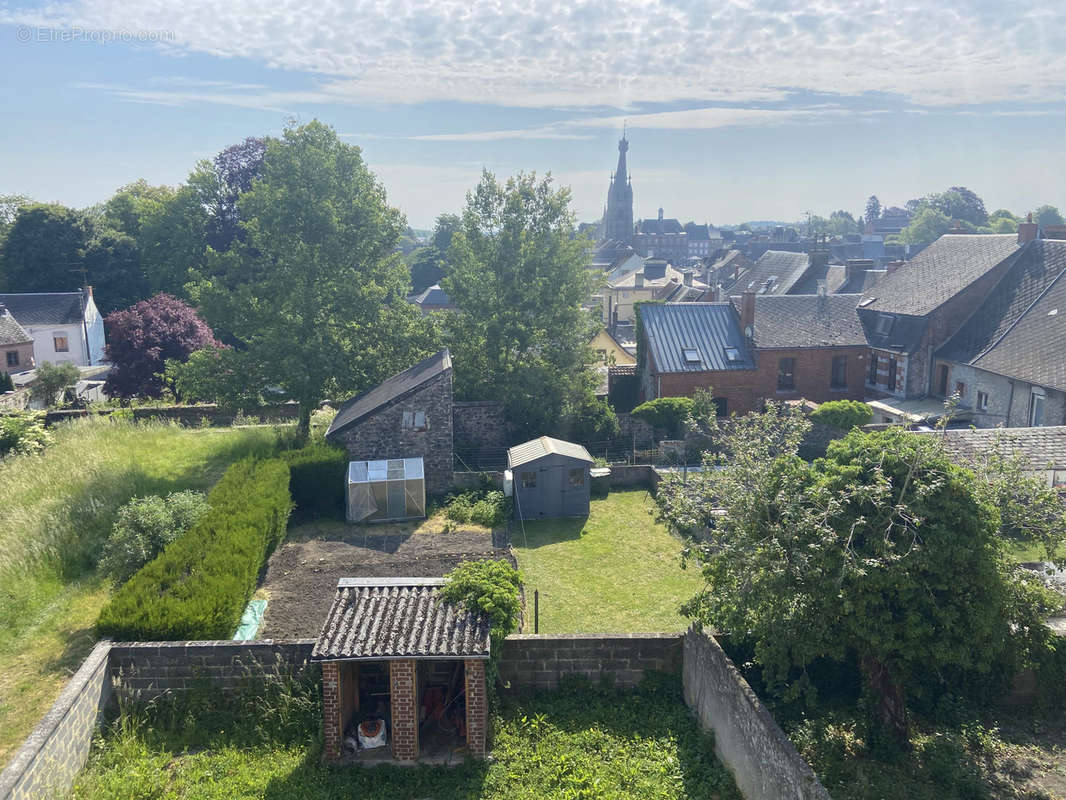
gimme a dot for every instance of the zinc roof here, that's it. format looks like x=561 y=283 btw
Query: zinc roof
x=542 y=446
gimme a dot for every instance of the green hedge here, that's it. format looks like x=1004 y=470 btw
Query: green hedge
x=318 y=476
x=843 y=414
x=198 y=587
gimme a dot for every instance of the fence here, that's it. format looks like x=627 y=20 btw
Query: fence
x=613 y=451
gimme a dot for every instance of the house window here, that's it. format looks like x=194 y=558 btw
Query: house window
x=942 y=381
x=786 y=374
x=529 y=480
x=884 y=324
x=577 y=476
x=691 y=355
x=872 y=377
x=982 y=401
x=603 y=355
x=960 y=389
x=61 y=344
x=414 y=421
x=891 y=383
x=1036 y=408
x=721 y=407
x=12 y=358
x=839 y=377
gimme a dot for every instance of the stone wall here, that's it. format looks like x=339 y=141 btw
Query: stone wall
x=190 y=416
x=632 y=476
x=478 y=423
x=55 y=752
x=461 y=481
x=539 y=661
x=748 y=741
x=382 y=435
x=15 y=401
x=629 y=426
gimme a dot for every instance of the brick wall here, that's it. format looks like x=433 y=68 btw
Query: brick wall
x=402 y=680
x=332 y=730
x=55 y=752
x=764 y=763
x=478 y=423
x=381 y=435
x=476 y=706
x=538 y=661
x=899 y=387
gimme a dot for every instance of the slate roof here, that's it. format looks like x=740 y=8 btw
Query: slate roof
x=1043 y=448
x=708 y=328
x=939 y=272
x=832 y=274
x=10 y=330
x=861 y=283
x=781 y=268
x=1020 y=329
x=51 y=308
x=432 y=296
x=411 y=379
x=793 y=320
x=904 y=333
x=659 y=227
x=382 y=618
x=538 y=448
x=628 y=280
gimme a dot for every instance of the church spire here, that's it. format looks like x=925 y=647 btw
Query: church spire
x=618 y=219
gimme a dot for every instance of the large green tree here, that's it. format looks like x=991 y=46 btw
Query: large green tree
x=517 y=273
x=1048 y=215
x=313 y=298
x=883 y=554
x=44 y=249
x=927 y=225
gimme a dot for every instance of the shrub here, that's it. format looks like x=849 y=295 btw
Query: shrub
x=198 y=587
x=317 y=477
x=146 y=525
x=52 y=379
x=490 y=508
x=844 y=414
x=665 y=413
x=6 y=384
x=592 y=420
x=23 y=432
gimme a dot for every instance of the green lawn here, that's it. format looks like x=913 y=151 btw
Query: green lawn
x=580 y=745
x=55 y=511
x=616 y=572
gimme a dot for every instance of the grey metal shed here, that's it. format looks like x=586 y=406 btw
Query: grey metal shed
x=550 y=478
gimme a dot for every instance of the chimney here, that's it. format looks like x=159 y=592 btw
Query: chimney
x=892 y=266
x=747 y=310
x=638 y=280
x=660 y=214
x=823 y=288
x=688 y=279
x=1027 y=231
x=854 y=267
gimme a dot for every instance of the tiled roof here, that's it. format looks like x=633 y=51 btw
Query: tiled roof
x=432 y=296
x=410 y=379
x=1020 y=329
x=10 y=330
x=1041 y=447
x=939 y=272
x=794 y=320
x=861 y=283
x=538 y=448
x=628 y=280
x=379 y=618
x=708 y=329
x=832 y=274
x=775 y=272
x=53 y=308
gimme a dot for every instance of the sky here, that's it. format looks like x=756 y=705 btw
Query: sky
x=735 y=110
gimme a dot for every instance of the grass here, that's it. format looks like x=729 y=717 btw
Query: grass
x=617 y=571
x=57 y=509
x=582 y=745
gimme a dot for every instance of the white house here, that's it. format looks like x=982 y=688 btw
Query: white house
x=65 y=326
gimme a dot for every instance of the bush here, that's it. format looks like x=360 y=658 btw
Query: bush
x=843 y=414
x=592 y=420
x=23 y=432
x=53 y=379
x=6 y=384
x=200 y=585
x=146 y=525
x=666 y=413
x=317 y=479
x=482 y=508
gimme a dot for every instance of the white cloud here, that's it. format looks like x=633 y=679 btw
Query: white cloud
x=601 y=53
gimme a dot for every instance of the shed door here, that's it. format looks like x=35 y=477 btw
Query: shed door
x=575 y=489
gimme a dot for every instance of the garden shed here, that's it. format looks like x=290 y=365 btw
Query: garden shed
x=389 y=489
x=550 y=478
x=403 y=668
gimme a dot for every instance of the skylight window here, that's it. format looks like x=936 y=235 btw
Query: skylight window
x=691 y=355
x=732 y=354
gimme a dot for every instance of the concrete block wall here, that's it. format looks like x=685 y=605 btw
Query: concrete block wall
x=537 y=662
x=50 y=759
x=747 y=739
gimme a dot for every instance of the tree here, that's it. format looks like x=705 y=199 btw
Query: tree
x=112 y=263
x=427 y=267
x=172 y=235
x=43 y=249
x=873 y=209
x=666 y=413
x=447 y=225
x=236 y=169
x=883 y=554
x=1002 y=221
x=1048 y=215
x=518 y=277
x=52 y=382
x=842 y=223
x=216 y=375
x=144 y=337
x=313 y=299
x=959 y=203
x=128 y=209
x=927 y=225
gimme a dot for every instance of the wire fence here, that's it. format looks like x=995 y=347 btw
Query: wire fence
x=612 y=451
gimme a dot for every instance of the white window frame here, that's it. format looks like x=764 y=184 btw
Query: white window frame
x=1037 y=399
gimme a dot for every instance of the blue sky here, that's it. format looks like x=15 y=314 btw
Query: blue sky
x=740 y=109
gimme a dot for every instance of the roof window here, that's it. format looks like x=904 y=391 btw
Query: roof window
x=691 y=355
x=732 y=354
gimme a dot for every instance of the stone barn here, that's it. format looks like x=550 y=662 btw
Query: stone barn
x=550 y=478
x=402 y=669
x=407 y=416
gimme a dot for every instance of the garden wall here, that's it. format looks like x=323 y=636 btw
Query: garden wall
x=478 y=423
x=763 y=761
x=190 y=416
x=55 y=752
x=539 y=661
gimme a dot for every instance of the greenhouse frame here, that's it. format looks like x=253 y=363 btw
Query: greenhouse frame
x=386 y=490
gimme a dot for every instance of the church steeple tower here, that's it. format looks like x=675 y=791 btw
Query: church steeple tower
x=618 y=218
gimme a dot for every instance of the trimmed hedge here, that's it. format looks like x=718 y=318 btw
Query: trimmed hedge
x=318 y=476
x=199 y=586
x=843 y=414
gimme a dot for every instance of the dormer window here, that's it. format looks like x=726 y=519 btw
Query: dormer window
x=691 y=355
x=884 y=324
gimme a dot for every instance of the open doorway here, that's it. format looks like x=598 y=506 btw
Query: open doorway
x=442 y=724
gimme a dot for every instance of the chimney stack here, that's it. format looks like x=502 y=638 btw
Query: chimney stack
x=1027 y=230
x=747 y=310
x=688 y=279
x=892 y=266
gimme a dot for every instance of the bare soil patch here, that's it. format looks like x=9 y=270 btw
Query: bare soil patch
x=302 y=573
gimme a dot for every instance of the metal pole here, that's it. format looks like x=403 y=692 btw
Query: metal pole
x=536 y=611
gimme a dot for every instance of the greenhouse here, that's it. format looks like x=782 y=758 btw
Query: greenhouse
x=387 y=490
